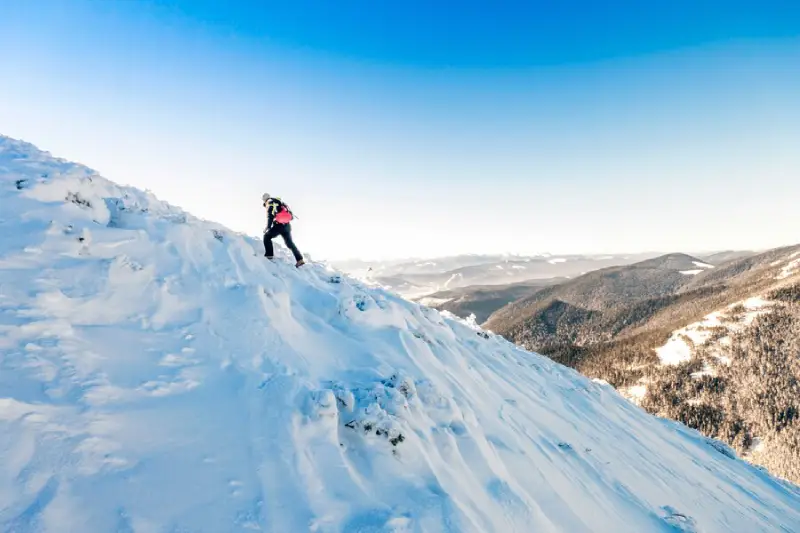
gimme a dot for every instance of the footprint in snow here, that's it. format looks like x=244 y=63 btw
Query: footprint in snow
x=679 y=522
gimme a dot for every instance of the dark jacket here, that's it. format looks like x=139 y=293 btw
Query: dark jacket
x=273 y=207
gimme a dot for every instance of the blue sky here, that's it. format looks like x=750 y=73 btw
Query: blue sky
x=411 y=129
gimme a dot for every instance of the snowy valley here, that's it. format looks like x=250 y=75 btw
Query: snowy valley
x=158 y=375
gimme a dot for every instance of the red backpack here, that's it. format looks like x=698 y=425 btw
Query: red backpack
x=284 y=216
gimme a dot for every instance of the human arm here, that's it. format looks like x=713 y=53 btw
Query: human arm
x=272 y=210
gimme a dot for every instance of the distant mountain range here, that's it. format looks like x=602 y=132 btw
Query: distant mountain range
x=483 y=300
x=418 y=278
x=594 y=294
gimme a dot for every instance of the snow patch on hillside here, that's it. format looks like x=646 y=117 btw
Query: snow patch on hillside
x=702 y=267
x=451 y=279
x=432 y=302
x=634 y=393
x=791 y=267
x=675 y=351
x=682 y=343
x=157 y=374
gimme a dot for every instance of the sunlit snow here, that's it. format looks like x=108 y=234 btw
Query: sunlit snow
x=159 y=375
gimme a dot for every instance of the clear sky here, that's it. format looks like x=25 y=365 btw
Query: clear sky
x=421 y=128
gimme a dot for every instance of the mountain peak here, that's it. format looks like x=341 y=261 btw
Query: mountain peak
x=158 y=374
x=675 y=261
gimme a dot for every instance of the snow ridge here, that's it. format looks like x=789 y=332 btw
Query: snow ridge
x=158 y=375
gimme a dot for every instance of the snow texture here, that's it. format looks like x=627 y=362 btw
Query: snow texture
x=157 y=374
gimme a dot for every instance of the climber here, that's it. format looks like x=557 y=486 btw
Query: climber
x=279 y=219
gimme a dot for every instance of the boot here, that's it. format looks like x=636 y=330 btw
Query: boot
x=300 y=263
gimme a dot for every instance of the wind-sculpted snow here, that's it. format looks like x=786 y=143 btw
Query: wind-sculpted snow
x=157 y=374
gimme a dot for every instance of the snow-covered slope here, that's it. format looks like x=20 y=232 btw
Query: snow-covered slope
x=158 y=375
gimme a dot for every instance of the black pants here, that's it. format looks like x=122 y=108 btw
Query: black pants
x=285 y=231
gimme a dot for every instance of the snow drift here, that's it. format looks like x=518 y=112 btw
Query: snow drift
x=158 y=375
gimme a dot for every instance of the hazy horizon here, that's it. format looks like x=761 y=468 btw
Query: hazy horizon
x=423 y=131
x=655 y=253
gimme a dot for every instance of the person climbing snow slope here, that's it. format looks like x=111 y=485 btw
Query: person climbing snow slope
x=279 y=218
